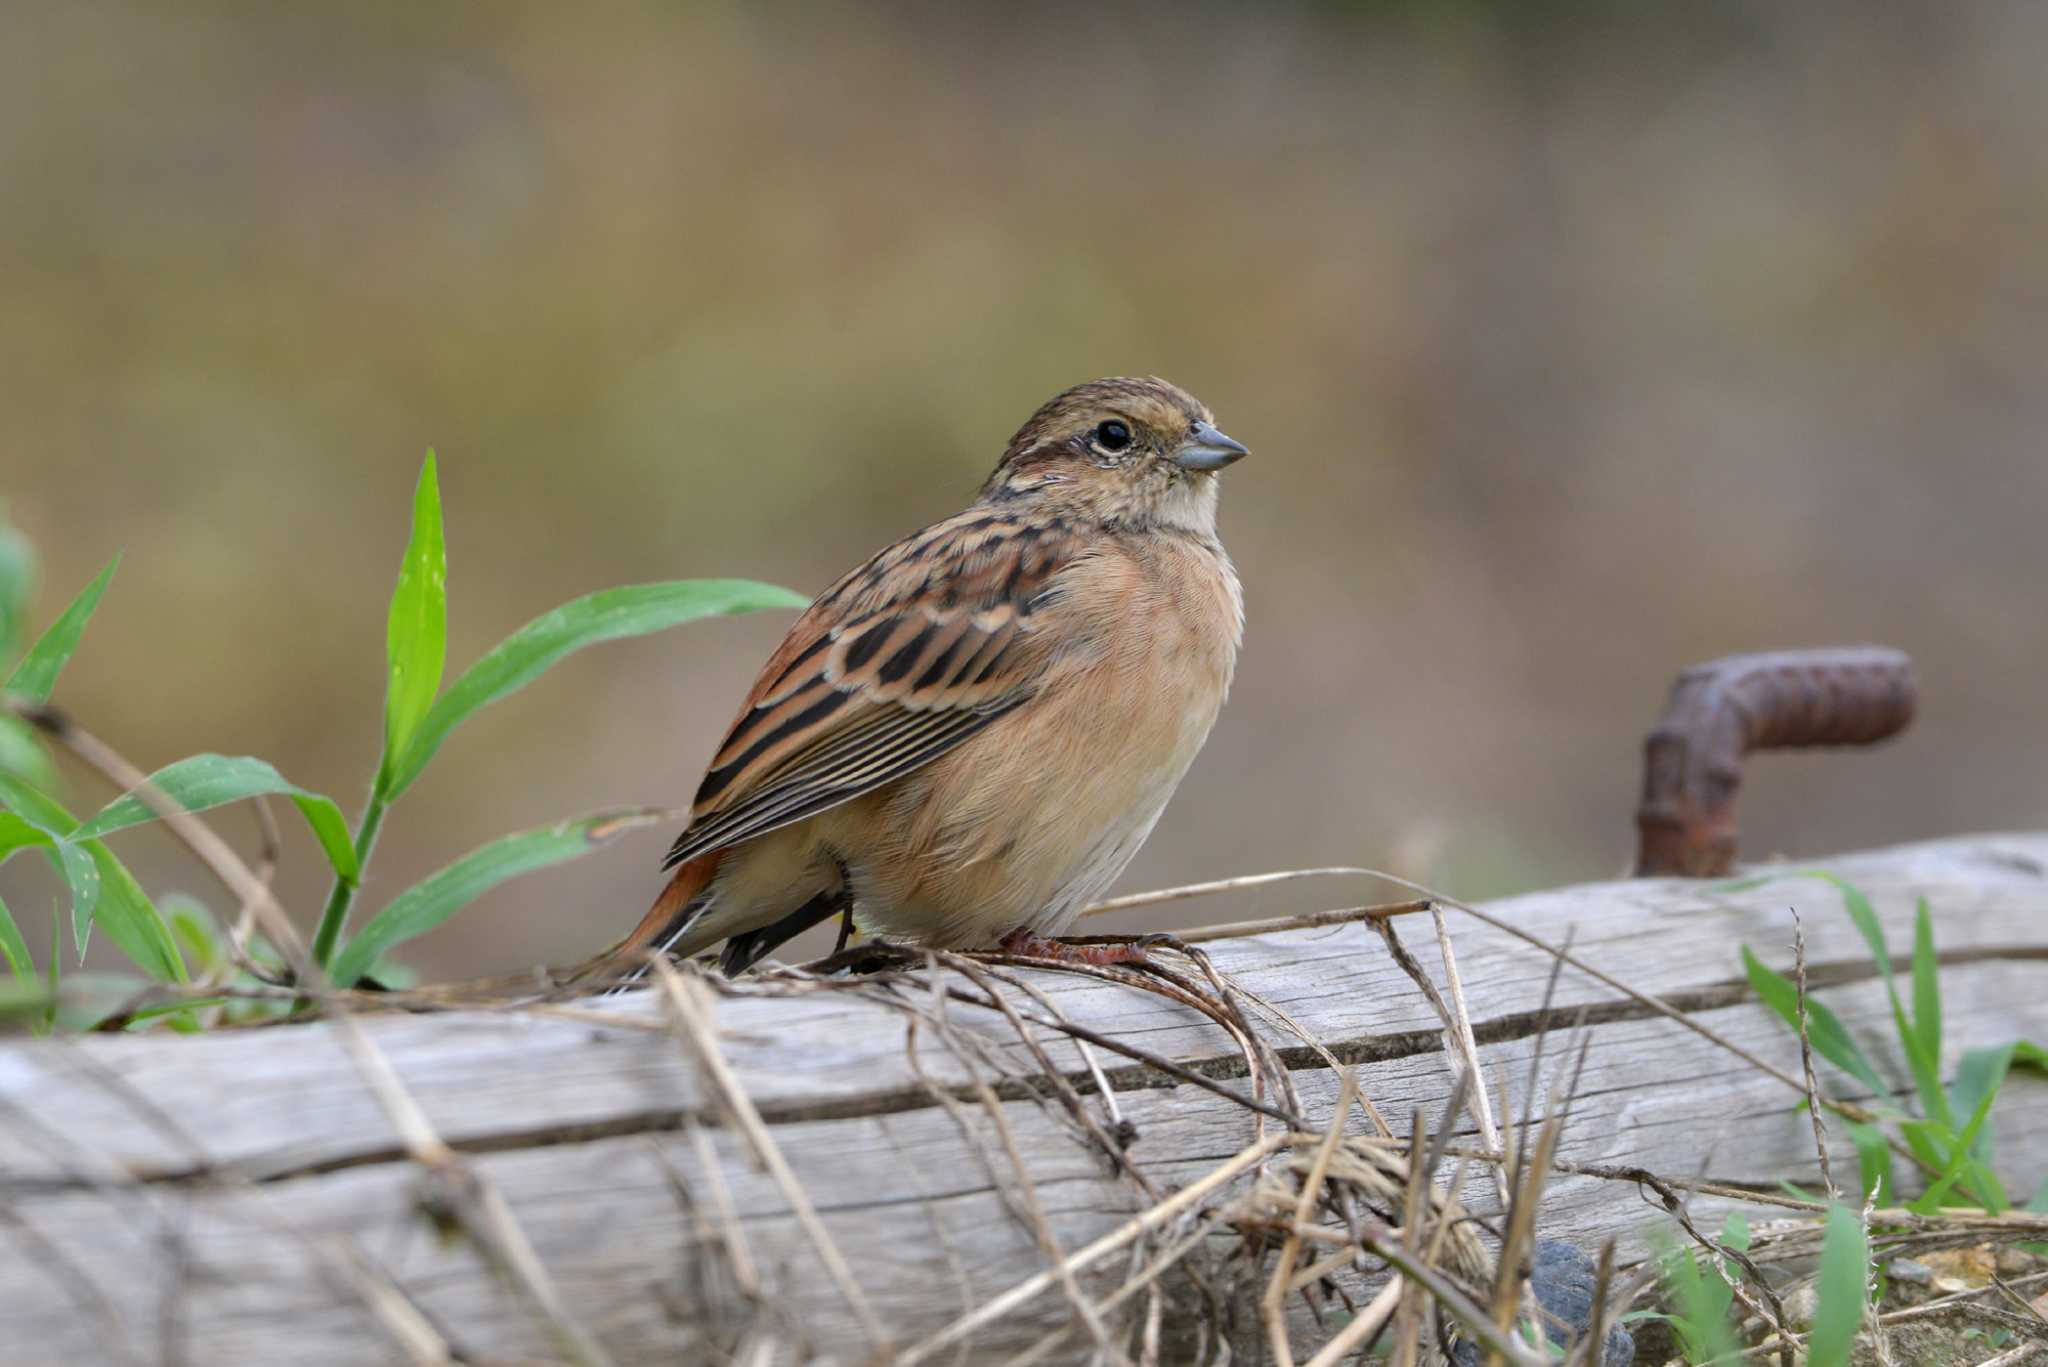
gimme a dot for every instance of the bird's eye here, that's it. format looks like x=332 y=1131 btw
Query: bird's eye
x=1113 y=435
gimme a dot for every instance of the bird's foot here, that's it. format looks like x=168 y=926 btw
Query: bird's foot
x=1102 y=953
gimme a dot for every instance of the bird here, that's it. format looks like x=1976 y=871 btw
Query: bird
x=964 y=740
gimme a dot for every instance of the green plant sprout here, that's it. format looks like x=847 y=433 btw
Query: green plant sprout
x=1952 y=1136
x=418 y=717
x=1957 y=1156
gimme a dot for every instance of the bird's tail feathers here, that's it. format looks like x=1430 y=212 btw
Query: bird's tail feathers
x=665 y=927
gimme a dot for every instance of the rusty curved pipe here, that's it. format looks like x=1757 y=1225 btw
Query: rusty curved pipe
x=1722 y=710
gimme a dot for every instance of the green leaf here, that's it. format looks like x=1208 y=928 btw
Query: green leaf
x=416 y=638
x=36 y=819
x=18 y=834
x=1860 y=911
x=37 y=673
x=17 y=586
x=1925 y=1067
x=1701 y=1300
x=205 y=781
x=1823 y=1028
x=1874 y=1157
x=102 y=889
x=609 y=615
x=193 y=929
x=1839 y=1314
x=427 y=904
x=19 y=962
x=1979 y=1076
x=1925 y=1047
x=1735 y=1231
x=131 y=919
x=22 y=754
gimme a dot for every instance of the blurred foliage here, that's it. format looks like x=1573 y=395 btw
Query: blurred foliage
x=1574 y=342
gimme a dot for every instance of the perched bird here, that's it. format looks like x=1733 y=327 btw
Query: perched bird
x=967 y=738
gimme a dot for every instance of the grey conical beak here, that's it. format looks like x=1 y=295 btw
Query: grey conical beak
x=1208 y=449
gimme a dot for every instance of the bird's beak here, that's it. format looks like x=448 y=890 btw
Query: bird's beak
x=1207 y=449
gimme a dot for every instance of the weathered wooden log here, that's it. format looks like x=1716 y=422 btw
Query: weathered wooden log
x=244 y=1197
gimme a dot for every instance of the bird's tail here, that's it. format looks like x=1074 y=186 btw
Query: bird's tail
x=662 y=929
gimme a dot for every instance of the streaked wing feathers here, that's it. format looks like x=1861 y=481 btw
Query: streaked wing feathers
x=897 y=663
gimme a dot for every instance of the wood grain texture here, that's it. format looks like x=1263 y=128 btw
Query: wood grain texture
x=167 y=1199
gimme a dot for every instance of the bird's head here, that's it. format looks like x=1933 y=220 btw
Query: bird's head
x=1119 y=452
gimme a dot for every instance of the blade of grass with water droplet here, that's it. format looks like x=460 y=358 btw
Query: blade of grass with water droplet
x=416 y=634
x=36 y=674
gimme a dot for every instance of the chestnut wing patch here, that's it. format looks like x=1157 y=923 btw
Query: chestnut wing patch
x=898 y=663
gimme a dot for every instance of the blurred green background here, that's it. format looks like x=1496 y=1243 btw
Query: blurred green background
x=1574 y=342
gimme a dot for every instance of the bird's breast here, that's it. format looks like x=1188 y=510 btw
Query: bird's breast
x=1040 y=812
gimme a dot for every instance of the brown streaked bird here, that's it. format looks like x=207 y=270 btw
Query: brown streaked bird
x=967 y=738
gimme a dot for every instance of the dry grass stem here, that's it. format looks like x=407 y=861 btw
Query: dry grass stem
x=1277 y=1287
x=474 y=1202
x=2013 y=1357
x=1820 y=1133
x=1310 y=920
x=1364 y=1325
x=731 y=1233
x=691 y=1015
x=1144 y=1223
x=412 y=1331
x=1192 y=890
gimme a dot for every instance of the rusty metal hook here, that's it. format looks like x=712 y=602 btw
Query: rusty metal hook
x=1723 y=709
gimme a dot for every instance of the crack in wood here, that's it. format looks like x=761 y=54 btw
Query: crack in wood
x=1123 y=1078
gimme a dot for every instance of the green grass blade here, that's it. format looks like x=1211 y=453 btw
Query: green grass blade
x=22 y=754
x=1926 y=1027
x=15 y=949
x=192 y=927
x=1839 y=1313
x=1874 y=1158
x=17 y=585
x=1925 y=1067
x=1865 y=917
x=102 y=890
x=1978 y=1078
x=206 y=781
x=610 y=615
x=37 y=673
x=17 y=834
x=1701 y=1302
x=1823 y=1028
x=416 y=635
x=1914 y=1032
x=131 y=920
x=50 y=823
x=426 y=905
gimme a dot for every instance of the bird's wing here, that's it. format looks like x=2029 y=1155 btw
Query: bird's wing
x=897 y=663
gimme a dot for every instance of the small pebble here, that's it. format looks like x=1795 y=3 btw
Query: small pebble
x=2016 y=1262
x=1906 y=1270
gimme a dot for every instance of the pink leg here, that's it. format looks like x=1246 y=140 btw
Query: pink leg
x=1026 y=945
